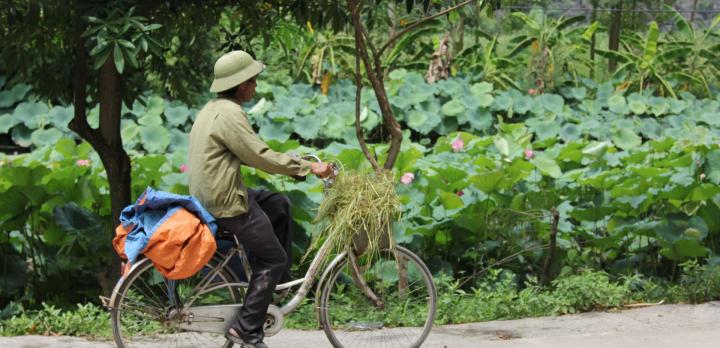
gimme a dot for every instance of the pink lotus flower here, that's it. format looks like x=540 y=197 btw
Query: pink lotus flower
x=458 y=144
x=532 y=91
x=82 y=163
x=183 y=168
x=407 y=178
x=529 y=154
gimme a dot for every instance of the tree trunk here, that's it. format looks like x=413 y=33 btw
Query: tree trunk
x=614 y=40
x=114 y=158
x=545 y=278
x=375 y=75
x=106 y=140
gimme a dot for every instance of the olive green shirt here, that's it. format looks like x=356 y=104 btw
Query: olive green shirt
x=221 y=141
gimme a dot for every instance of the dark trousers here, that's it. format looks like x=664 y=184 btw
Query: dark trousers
x=265 y=233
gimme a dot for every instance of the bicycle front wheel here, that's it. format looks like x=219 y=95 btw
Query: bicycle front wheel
x=389 y=302
x=148 y=310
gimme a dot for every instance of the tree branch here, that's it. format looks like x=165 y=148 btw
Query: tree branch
x=545 y=278
x=79 y=123
x=389 y=121
x=417 y=23
x=358 y=128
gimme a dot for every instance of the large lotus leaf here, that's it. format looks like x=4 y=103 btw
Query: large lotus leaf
x=32 y=114
x=604 y=92
x=659 y=106
x=261 y=107
x=178 y=140
x=447 y=125
x=60 y=116
x=155 y=105
x=503 y=102
x=711 y=118
x=155 y=138
x=71 y=217
x=369 y=119
x=416 y=119
x=150 y=120
x=485 y=100
x=570 y=132
x=93 y=117
x=307 y=127
x=138 y=109
x=334 y=126
x=130 y=133
x=713 y=161
x=406 y=159
x=650 y=128
x=626 y=139
x=177 y=115
x=480 y=119
x=397 y=74
x=592 y=107
x=450 y=200
x=704 y=192
x=7 y=99
x=488 y=181
x=352 y=159
x=481 y=88
x=544 y=129
x=502 y=146
x=14 y=95
x=523 y=104
x=677 y=106
x=450 y=88
x=547 y=165
x=684 y=248
x=275 y=131
x=518 y=170
x=7 y=121
x=45 y=137
x=175 y=183
x=552 y=102
x=638 y=107
x=618 y=105
x=578 y=93
x=21 y=135
x=453 y=107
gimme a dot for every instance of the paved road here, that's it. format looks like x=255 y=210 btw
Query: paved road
x=686 y=326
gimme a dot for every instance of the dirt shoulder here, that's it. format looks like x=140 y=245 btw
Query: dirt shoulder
x=686 y=326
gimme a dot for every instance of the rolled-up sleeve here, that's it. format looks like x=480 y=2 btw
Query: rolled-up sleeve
x=237 y=134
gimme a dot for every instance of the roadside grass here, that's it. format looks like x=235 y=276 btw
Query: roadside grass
x=495 y=296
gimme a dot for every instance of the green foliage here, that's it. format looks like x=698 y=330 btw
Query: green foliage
x=700 y=283
x=86 y=320
x=635 y=178
x=123 y=35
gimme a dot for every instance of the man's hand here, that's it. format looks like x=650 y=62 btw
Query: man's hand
x=321 y=169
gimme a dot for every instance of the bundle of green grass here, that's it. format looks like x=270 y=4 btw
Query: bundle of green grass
x=358 y=213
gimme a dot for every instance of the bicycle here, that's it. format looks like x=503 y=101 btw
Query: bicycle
x=357 y=303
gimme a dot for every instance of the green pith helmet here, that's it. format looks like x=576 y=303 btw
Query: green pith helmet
x=233 y=69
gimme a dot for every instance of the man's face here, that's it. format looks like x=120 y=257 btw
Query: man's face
x=246 y=90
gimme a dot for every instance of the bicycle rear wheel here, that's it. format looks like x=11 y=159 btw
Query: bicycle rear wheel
x=395 y=307
x=147 y=309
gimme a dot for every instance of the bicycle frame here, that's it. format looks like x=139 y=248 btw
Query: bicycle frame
x=215 y=318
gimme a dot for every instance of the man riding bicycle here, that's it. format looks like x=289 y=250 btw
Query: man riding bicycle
x=221 y=141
